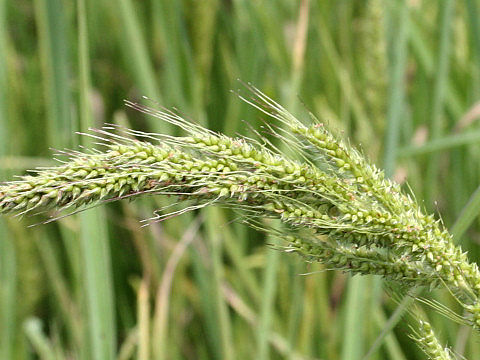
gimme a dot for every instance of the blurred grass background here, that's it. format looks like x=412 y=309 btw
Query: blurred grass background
x=399 y=79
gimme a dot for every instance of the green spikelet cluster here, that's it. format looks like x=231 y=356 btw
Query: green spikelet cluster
x=428 y=342
x=337 y=207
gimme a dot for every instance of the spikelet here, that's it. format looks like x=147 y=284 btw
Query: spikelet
x=428 y=342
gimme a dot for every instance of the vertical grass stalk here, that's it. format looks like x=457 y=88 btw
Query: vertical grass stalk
x=8 y=278
x=93 y=231
x=437 y=124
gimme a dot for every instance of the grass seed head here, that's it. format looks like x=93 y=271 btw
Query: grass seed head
x=337 y=207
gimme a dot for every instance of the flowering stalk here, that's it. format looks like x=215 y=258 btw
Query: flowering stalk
x=338 y=208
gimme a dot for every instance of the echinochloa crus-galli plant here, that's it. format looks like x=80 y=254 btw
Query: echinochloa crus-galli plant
x=337 y=208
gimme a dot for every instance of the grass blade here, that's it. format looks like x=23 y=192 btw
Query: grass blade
x=397 y=90
x=41 y=344
x=93 y=233
x=7 y=293
x=354 y=337
x=54 y=58
x=439 y=91
x=391 y=322
x=467 y=216
x=266 y=310
x=445 y=143
x=136 y=53
x=220 y=306
x=143 y=310
x=8 y=276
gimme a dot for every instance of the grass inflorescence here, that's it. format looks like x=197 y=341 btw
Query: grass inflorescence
x=338 y=208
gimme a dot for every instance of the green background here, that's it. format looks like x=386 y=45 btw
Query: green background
x=399 y=79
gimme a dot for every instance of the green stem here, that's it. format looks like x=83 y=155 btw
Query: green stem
x=93 y=232
x=447 y=9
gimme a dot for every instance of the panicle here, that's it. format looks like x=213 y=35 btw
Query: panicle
x=338 y=209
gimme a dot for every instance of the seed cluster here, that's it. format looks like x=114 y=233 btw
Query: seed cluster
x=428 y=342
x=338 y=208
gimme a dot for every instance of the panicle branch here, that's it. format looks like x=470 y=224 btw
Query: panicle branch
x=428 y=342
